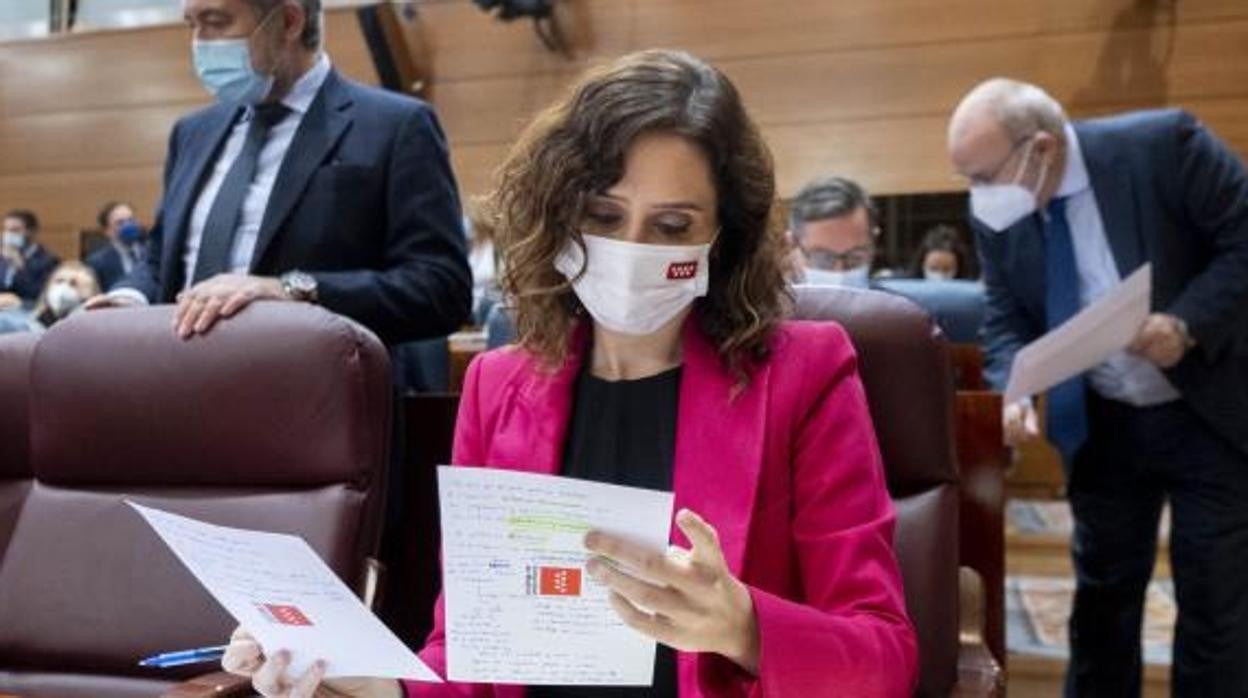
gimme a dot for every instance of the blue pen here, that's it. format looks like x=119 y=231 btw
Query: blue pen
x=195 y=656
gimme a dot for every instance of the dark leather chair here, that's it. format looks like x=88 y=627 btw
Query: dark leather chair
x=906 y=370
x=16 y=351
x=276 y=420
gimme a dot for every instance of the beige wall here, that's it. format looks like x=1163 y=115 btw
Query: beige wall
x=860 y=87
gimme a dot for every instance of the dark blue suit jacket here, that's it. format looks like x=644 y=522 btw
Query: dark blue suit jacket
x=1170 y=193
x=365 y=201
x=28 y=283
x=107 y=265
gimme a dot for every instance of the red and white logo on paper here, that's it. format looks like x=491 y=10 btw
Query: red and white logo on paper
x=559 y=581
x=679 y=271
x=284 y=614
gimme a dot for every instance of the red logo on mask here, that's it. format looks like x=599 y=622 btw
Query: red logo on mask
x=678 y=271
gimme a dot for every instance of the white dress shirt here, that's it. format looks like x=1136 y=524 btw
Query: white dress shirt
x=270 y=161
x=1124 y=376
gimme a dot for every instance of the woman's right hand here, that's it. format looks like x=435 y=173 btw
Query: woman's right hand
x=245 y=657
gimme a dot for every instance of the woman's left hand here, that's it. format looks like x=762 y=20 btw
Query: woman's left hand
x=688 y=599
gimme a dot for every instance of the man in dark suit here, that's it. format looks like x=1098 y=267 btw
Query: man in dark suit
x=301 y=185
x=25 y=265
x=1063 y=211
x=125 y=249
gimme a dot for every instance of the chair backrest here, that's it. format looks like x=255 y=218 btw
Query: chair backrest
x=499 y=329
x=277 y=419
x=423 y=366
x=16 y=352
x=957 y=305
x=905 y=369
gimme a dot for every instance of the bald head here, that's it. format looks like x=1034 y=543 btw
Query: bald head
x=994 y=119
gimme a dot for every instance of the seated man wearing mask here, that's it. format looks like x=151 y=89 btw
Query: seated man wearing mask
x=24 y=263
x=300 y=185
x=126 y=246
x=832 y=221
x=71 y=285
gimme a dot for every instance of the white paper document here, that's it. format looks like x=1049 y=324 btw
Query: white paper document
x=1084 y=341
x=281 y=591
x=520 y=608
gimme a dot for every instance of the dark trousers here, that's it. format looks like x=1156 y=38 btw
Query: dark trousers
x=1135 y=459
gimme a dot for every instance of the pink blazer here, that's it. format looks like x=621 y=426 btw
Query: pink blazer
x=788 y=471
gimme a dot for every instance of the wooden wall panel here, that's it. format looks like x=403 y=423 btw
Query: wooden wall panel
x=860 y=87
x=86 y=118
x=468 y=45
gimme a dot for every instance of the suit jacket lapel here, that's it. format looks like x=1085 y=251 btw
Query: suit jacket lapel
x=530 y=436
x=719 y=444
x=1115 y=198
x=184 y=191
x=326 y=120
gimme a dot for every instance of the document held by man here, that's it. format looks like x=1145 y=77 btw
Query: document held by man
x=1084 y=341
x=281 y=591
x=520 y=608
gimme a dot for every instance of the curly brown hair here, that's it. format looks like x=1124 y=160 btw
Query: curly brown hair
x=576 y=148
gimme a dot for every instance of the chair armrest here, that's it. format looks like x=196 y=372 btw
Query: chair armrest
x=979 y=673
x=215 y=685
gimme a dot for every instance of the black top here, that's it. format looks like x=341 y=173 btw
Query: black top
x=623 y=432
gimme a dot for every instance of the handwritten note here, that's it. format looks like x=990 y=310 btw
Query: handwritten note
x=277 y=588
x=520 y=607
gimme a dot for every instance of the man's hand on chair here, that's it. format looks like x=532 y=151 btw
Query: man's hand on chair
x=222 y=296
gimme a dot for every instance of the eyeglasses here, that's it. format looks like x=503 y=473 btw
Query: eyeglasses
x=831 y=260
x=996 y=172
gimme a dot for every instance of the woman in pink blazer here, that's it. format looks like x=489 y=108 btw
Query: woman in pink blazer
x=635 y=219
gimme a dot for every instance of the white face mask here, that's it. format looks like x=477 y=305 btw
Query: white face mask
x=858 y=277
x=14 y=240
x=1000 y=206
x=62 y=299
x=633 y=288
x=936 y=275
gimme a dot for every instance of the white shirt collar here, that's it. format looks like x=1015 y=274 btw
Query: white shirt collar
x=299 y=98
x=1075 y=178
x=301 y=94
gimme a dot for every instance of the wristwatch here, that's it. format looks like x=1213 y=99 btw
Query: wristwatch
x=299 y=286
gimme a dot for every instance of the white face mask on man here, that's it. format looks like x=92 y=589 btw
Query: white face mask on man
x=1000 y=206
x=634 y=288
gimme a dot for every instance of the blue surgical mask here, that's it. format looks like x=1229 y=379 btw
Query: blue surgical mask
x=224 y=68
x=129 y=233
x=857 y=277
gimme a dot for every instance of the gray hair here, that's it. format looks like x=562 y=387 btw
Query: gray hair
x=1022 y=109
x=829 y=197
x=312 y=31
